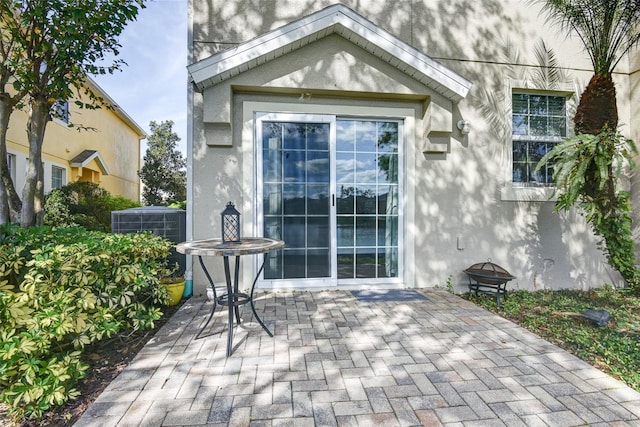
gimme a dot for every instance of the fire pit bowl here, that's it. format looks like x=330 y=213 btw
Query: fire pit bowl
x=488 y=277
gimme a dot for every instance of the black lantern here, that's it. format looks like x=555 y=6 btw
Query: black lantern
x=230 y=224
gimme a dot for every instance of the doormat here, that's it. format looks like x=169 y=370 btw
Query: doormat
x=389 y=295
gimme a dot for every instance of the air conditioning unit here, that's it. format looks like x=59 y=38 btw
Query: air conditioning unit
x=169 y=223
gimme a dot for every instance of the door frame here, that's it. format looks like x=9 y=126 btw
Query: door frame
x=411 y=116
x=260 y=118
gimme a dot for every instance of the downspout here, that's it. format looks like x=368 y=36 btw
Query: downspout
x=188 y=287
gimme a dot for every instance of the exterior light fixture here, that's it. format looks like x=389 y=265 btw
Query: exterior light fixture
x=230 y=225
x=464 y=126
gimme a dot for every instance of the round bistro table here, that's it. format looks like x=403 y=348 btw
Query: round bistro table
x=233 y=298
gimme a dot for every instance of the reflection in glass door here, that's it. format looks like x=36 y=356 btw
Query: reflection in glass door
x=367 y=199
x=296 y=200
x=330 y=189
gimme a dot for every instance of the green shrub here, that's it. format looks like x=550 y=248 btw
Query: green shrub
x=179 y=205
x=61 y=289
x=85 y=204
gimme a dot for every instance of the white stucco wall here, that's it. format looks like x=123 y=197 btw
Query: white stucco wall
x=456 y=209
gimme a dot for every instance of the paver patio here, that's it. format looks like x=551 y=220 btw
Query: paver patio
x=337 y=361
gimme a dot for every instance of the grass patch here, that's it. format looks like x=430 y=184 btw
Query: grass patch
x=613 y=348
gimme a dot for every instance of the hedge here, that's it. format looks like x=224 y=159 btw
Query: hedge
x=64 y=288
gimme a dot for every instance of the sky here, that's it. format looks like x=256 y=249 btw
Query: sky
x=152 y=86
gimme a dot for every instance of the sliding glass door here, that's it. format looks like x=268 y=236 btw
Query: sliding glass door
x=329 y=187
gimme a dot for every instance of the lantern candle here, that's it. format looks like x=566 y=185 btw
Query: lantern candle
x=230 y=224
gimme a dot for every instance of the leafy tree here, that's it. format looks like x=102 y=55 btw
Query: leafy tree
x=55 y=44
x=163 y=173
x=587 y=166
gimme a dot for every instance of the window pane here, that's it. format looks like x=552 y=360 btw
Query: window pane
x=538 y=126
x=345 y=200
x=346 y=261
x=558 y=126
x=520 y=172
x=318 y=232
x=346 y=230
x=365 y=262
x=543 y=118
x=317 y=199
x=317 y=166
x=366 y=199
x=294 y=232
x=317 y=136
x=387 y=137
x=272 y=165
x=366 y=136
x=294 y=166
x=365 y=231
x=536 y=151
x=366 y=168
x=519 y=151
x=520 y=125
x=272 y=203
x=294 y=136
x=345 y=135
x=345 y=167
x=58 y=177
x=520 y=104
x=294 y=264
x=538 y=105
x=388 y=262
x=557 y=106
x=294 y=199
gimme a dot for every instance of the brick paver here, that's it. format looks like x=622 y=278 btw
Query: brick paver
x=335 y=361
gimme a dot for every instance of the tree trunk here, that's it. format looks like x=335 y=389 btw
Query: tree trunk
x=597 y=107
x=5 y=216
x=596 y=112
x=10 y=203
x=32 y=209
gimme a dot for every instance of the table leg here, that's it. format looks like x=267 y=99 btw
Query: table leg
x=232 y=297
x=253 y=308
x=215 y=296
x=230 y=302
x=235 y=288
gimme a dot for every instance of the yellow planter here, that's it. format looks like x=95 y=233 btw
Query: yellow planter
x=175 y=291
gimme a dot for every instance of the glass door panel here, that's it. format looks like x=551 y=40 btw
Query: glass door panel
x=367 y=199
x=296 y=185
x=330 y=189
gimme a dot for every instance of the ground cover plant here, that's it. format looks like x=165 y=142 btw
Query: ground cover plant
x=554 y=315
x=61 y=290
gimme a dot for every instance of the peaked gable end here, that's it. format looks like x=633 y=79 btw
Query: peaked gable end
x=336 y=19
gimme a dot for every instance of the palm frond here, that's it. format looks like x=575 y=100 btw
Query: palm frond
x=608 y=29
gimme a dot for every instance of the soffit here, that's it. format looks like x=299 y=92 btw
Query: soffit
x=340 y=20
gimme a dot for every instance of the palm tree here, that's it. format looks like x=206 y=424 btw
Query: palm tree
x=586 y=167
x=608 y=30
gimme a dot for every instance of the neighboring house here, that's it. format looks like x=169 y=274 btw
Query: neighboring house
x=108 y=153
x=389 y=143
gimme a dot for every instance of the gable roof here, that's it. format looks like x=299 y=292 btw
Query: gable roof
x=86 y=156
x=336 y=19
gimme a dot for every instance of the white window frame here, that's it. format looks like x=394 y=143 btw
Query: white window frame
x=11 y=162
x=517 y=191
x=60 y=112
x=53 y=177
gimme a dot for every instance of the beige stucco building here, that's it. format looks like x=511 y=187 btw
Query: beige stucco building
x=389 y=143
x=106 y=151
